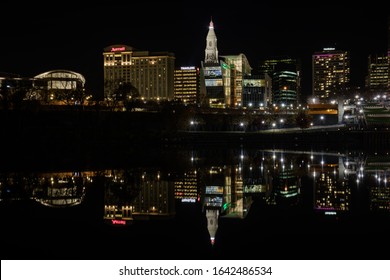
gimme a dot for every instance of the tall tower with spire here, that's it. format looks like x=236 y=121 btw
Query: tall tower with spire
x=211 y=52
x=212 y=80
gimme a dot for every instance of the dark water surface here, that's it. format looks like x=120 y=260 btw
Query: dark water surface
x=200 y=203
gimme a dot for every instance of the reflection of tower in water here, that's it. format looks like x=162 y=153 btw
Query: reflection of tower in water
x=212 y=215
x=214 y=180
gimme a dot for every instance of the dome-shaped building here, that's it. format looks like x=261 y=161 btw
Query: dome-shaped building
x=59 y=87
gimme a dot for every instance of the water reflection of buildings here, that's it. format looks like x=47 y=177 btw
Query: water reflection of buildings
x=332 y=191
x=286 y=183
x=62 y=189
x=186 y=187
x=212 y=204
x=137 y=195
x=57 y=189
x=377 y=170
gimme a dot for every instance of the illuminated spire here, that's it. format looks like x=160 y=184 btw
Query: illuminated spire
x=211 y=52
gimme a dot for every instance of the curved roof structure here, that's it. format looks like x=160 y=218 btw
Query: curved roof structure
x=61 y=75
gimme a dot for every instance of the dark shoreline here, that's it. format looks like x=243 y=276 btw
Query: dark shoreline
x=89 y=136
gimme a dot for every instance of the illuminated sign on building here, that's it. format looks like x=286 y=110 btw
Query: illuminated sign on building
x=118 y=222
x=120 y=49
x=187 y=68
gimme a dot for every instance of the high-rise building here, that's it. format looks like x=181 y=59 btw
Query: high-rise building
x=212 y=82
x=388 y=48
x=388 y=37
x=151 y=73
x=331 y=73
x=222 y=79
x=236 y=68
x=284 y=88
x=256 y=91
x=187 y=84
x=377 y=81
x=286 y=79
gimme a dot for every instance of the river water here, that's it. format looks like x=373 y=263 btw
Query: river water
x=201 y=203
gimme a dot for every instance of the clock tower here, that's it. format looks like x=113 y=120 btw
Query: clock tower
x=211 y=52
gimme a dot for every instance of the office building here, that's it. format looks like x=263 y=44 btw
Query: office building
x=331 y=74
x=377 y=81
x=286 y=79
x=187 y=85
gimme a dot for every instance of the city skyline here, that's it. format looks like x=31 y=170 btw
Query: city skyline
x=74 y=39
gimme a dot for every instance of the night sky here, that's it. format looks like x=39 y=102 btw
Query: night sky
x=65 y=35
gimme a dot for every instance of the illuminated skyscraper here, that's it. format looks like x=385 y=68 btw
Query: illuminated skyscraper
x=331 y=73
x=186 y=85
x=212 y=79
x=235 y=68
x=378 y=74
x=388 y=37
x=149 y=72
x=388 y=48
x=286 y=79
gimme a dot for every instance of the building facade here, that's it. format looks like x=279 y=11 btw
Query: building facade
x=236 y=67
x=331 y=73
x=187 y=85
x=212 y=81
x=256 y=92
x=286 y=79
x=151 y=73
x=378 y=74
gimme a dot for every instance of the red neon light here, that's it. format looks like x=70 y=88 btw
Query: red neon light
x=117 y=49
x=118 y=222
